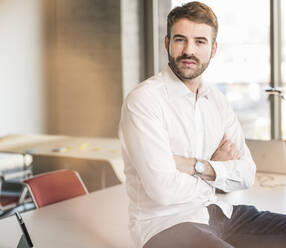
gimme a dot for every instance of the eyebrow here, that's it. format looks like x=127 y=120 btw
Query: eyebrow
x=202 y=38
x=197 y=38
x=179 y=36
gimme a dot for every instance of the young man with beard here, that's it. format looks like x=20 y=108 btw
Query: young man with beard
x=180 y=141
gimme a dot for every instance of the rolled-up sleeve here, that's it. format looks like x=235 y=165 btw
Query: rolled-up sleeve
x=145 y=144
x=234 y=174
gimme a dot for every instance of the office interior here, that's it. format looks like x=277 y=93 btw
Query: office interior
x=67 y=65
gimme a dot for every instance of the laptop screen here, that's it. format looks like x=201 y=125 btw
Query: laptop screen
x=269 y=156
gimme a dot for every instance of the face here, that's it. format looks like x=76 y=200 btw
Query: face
x=190 y=48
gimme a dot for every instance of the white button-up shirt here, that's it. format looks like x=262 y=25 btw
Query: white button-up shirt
x=161 y=118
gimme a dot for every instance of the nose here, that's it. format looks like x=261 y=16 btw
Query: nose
x=190 y=48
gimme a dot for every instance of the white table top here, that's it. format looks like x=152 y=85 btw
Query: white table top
x=268 y=193
x=100 y=219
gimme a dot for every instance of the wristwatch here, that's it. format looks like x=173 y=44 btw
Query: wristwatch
x=199 y=167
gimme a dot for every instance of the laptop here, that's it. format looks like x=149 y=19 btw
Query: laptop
x=269 y=156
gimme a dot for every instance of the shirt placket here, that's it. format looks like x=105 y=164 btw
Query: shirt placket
x=199 y=130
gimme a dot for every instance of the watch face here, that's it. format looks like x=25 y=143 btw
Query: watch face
x=200 y=167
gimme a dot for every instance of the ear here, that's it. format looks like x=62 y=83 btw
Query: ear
x=167 y=43
x=214 y=48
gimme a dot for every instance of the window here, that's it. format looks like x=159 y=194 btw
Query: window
x=283 y=67
x=241 y=67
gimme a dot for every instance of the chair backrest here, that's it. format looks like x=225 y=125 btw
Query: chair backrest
x=55 y=186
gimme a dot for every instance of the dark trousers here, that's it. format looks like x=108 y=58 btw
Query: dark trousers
x=247 y=227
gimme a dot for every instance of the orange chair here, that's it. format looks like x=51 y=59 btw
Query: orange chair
x=55 y=186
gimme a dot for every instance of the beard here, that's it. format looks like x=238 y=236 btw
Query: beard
x=186 y=73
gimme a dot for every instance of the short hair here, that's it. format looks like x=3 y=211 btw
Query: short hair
x=196 y=12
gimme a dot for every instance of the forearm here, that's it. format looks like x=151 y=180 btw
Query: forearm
x=234 y=174
x=228 y=175
x=209 y=173
x=187 y=165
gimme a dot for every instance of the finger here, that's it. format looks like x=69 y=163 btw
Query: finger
x=226 y=145
x=233 y=147
x=223 y=140
x=235 y=155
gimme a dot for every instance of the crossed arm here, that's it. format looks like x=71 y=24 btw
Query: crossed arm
x=225 y=151
x=166 y=178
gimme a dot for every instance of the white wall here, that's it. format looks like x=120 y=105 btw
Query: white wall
x=132 y=44
x=22 y=99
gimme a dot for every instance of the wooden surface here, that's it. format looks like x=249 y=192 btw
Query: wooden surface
x=62 y=146
x=98 y=160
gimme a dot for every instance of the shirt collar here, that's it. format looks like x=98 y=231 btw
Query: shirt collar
x=176 y=88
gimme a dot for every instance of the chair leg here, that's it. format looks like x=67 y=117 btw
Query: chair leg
x=23 y=195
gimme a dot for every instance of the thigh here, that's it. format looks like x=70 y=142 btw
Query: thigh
x=257 y=241
x=249 y=227
x=247 y=219
x=187 y=235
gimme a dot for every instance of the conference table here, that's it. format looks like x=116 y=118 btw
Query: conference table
x=98 y=160
x=100 y=219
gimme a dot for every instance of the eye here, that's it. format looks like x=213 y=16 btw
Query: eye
x=179 y=39
x=200 y=42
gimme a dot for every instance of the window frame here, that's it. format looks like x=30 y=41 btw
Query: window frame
x=275 y=58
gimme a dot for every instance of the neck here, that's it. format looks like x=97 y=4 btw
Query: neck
x=193 y=84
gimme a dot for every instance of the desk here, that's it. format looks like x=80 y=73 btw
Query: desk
x=53 y=152
x=100 y=219
x=268 y=193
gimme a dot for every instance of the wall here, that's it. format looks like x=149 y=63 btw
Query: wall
x=164 y=9
x=132 y=44
x=66 y=65
x=22 y=98
x=83 y=52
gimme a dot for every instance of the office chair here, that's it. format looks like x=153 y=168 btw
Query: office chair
x=55 y=186
x=14 y=168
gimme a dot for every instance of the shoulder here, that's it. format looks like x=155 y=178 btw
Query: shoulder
x=148 y=93
x=217 y=95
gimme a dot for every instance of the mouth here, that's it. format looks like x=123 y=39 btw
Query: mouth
x=188 y=62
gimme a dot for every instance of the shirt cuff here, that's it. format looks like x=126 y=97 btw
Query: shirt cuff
x=220 y=172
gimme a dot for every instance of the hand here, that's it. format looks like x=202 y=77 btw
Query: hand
x=225 y=151
x=186 y=165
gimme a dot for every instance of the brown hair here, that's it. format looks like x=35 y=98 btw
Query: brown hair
x=196 y=12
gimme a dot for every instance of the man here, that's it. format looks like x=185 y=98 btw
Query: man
x=180 y=141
